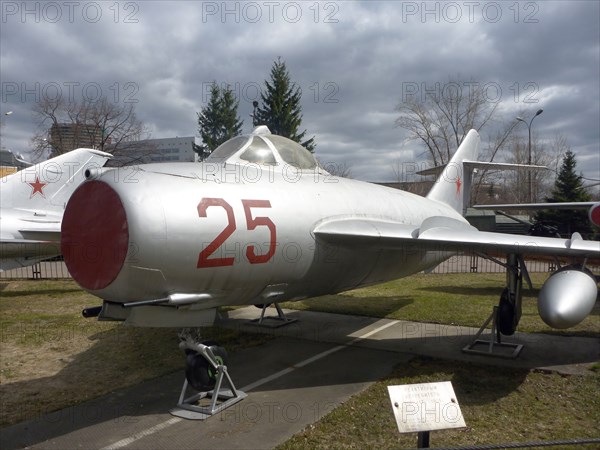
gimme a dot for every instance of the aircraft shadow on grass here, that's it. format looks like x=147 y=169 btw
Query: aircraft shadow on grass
x=491 y=292
x=375 y=306
x=50 y=292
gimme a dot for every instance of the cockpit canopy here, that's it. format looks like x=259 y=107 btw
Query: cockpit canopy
x=265 y=149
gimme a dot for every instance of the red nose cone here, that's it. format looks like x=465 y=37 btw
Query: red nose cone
x=94 y=235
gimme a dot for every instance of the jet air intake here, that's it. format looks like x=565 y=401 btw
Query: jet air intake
x=94 y=235
x=567 y=297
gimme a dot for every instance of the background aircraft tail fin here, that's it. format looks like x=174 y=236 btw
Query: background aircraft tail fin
x=453 y=185
x=48 y=185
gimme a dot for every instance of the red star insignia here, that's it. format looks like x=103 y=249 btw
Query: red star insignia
x=37 y=187
x=458 y=185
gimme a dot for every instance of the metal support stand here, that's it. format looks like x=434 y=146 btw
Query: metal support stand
x=202 y=405
x=272 y=321
x=494 y=343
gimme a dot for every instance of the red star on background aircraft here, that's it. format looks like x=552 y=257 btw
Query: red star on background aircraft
x=37 y=187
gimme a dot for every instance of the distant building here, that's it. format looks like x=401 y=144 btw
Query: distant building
x=177 y=149
x=65 y=137
x=9 y=163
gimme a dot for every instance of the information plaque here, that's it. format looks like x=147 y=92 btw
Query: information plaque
x=425 y=407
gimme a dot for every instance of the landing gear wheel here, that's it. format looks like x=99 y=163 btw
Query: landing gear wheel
x=200 y=374
x=205 y=372
x=263 y=306
x=505 y=317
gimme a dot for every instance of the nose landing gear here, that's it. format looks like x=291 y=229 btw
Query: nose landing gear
x=206 y=373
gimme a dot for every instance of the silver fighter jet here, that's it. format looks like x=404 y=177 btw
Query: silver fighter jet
x=260 y=222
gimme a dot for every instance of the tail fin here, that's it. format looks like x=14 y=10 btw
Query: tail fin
x=453 y=186
x=48 y=185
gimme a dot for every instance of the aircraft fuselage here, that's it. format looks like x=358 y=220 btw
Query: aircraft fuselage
x=235 y=234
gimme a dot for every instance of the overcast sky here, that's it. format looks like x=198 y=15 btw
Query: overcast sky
x=352 y=60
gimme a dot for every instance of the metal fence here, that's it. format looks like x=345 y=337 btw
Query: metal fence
x=45 y=270
x=56 y=270
x=477 y=264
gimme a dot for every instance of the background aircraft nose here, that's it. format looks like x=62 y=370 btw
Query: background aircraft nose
x=94 y=235
x=594 y=214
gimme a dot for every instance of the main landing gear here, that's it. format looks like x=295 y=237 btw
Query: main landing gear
x=206 y=373
x=505 y=317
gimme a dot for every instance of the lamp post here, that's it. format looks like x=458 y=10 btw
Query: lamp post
x=520 y=119
x=7 y=113
x=253 y=115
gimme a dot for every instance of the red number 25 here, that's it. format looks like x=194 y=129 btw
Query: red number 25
x=251 y=224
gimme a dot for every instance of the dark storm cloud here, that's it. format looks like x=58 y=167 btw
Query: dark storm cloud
x=352 y=60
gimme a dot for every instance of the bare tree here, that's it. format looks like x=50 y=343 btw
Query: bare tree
x=440 y=118
x=547 y=154
x=100 y=124
x=343 y=170
x=485 y=180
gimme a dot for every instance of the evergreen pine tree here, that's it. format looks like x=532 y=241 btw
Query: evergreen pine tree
x=567 y=188
x=232 y=125
x=280 y=109
x=218 y=121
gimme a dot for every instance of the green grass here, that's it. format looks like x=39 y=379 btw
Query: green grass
x=456 y=299
x=499 y=406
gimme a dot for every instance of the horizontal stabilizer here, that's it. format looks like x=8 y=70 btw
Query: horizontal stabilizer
x=535 y=206
x=483 y=166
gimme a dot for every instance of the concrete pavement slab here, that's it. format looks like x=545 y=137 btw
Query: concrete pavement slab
x=566 y=354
